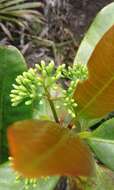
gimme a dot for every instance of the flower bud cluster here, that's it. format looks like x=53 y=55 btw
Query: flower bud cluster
x=26 y=88
x=77 y=72
x=29 y=183
x=74 y=74
x=69 y=102
x=31 y=85
x=48 y=73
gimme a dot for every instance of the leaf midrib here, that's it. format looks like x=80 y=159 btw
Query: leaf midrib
x=101 y=140
x=53 y=148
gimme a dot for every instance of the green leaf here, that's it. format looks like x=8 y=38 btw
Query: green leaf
x=104 y=180
x=103 y=21
x=8 y=181
x=102 y=143
x=12 y=64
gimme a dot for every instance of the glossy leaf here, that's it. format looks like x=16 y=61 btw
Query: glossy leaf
x=102 y=143
x=101 y=24
x=43 y=148
x=104 y=180
x=8 y=181
x=12 y=64
x=95 y=96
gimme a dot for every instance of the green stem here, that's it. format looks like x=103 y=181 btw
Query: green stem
x=53 y=110
x=52 y=106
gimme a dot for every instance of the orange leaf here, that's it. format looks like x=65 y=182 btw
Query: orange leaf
x=43 y=148
x=95 y=96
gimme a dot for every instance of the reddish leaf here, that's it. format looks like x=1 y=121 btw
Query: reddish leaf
x=43 y=148
x=95 y=96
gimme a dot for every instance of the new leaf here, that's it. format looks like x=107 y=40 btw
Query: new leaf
x=95 y=96
x=43 y=148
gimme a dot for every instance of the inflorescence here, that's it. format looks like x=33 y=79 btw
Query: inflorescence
x=34 y=84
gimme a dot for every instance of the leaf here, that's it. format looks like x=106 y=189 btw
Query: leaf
x=101 y=24
x=12 y=64
x=104 y=180
x=102 y=143
x=8 y=181
x=23 y=10
x=43 y=148
x=95 y=96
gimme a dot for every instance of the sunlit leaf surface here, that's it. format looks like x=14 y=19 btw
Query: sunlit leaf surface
x=10 y=181
x=43 y=148
x=101 y=24
x=104 y=180
x=102 y=143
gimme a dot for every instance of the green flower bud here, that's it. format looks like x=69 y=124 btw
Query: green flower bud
x=50 y=67
x=53 y=78
x=40 y=95
x=17 y=98
x=34 y=185
x=72 y=100
x=22 y=94
x=32 y=96
x=22 y=88
x=73 y=115
x=14 y=91
x=57 y=107
x=44 y=73
x=69 y=111
x=38 y=67
x=39 y=84
x=25 y=74
x=14 y=104
x=12 y=95
x=67 y=99
x=26 y=81
x=41 y=102
x=28 y=102
x=15 y=86
x=32 y=72
x=75 y=104
x=19 y=79
x=43 y=64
